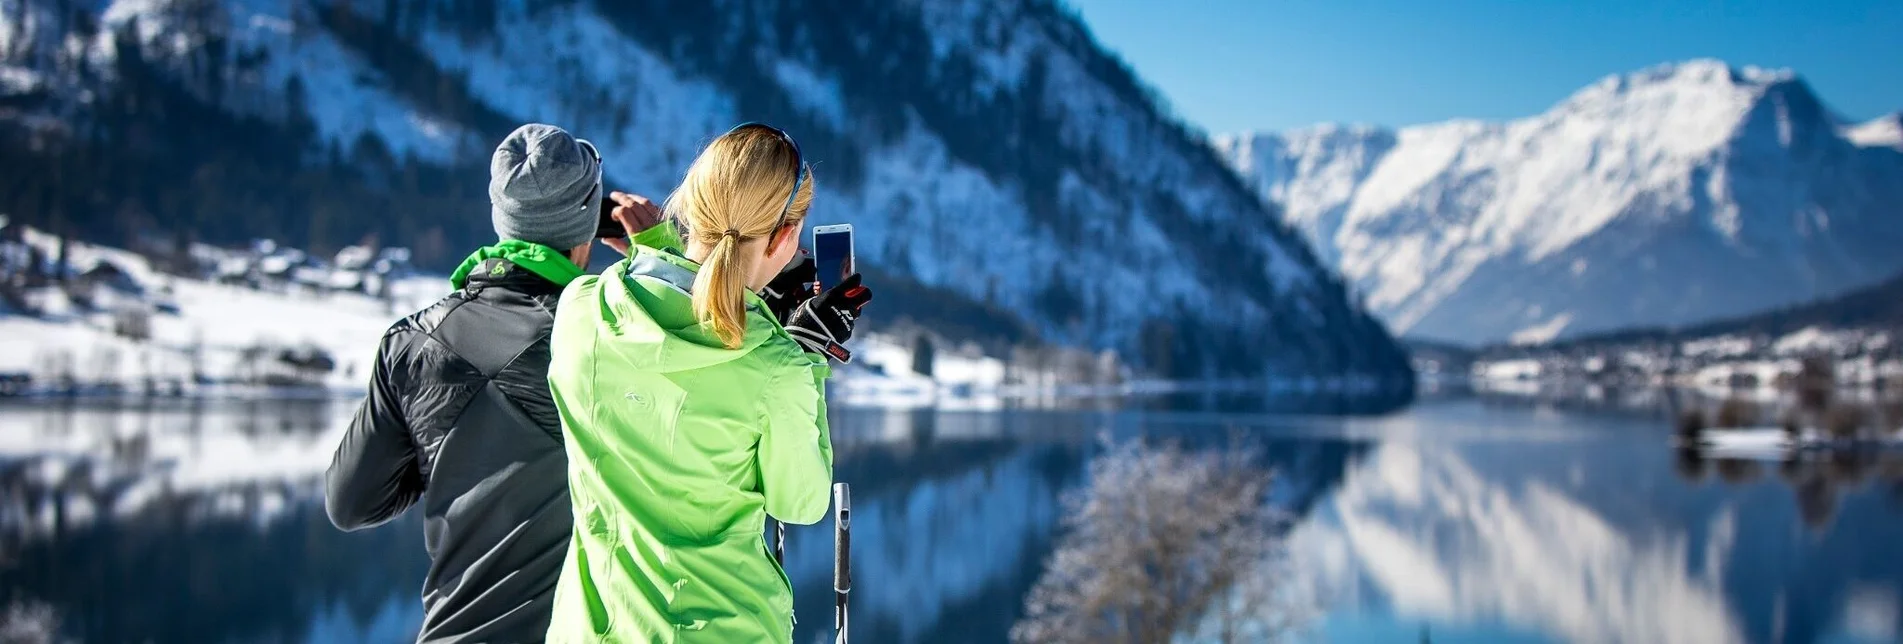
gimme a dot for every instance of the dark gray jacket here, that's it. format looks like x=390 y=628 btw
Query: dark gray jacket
x=459 y=417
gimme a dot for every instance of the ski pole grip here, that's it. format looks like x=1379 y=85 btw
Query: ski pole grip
x=842 y=538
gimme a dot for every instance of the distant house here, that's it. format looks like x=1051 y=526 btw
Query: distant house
x=16 y=263
x=393 y=262
x=280 y=265
x=280 y=366
x=311 y=278
x=354 y=258
x=108 y=275
x=235 y=271
x=345 y=281
x=15 y=383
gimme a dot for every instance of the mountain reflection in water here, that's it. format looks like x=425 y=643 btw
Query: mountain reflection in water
x=202 y=522
x=1591 y=534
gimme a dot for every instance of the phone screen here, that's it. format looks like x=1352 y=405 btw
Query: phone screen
x=832 y=253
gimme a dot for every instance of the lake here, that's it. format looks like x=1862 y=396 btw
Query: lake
x=1457 y=520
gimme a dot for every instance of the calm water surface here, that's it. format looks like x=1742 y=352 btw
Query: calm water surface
x=1456 y=520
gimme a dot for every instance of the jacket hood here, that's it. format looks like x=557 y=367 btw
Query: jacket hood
x=647 y=316
x=494 y=263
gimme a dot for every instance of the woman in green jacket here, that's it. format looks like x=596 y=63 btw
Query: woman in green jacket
x=691 y=414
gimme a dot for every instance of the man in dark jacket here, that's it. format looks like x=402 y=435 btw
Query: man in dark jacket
x=459 y=415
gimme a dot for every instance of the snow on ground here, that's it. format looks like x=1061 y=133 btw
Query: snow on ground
x=218 y=321
x=1815 y=340
x=1763 y=373
x=347 y=96
x=225 y=325
x=1773 y=443
x=881 y=375
x=1508 y=370
x=816 y=95
x=1746 y=442
x=1717 y=347
x=1885 y=131
x=539 y=73
x=1543 y=332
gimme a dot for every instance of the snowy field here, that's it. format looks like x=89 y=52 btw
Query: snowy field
x=223 y=331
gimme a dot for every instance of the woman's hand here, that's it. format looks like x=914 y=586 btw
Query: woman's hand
x=824 y=323
x=635 y=213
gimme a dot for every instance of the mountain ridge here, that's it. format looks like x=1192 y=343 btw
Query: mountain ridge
x=1646 y=197
x=989 y=149
x=1876 y=307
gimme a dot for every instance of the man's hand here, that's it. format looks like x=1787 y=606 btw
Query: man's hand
x=791 y=288
x=635 y=213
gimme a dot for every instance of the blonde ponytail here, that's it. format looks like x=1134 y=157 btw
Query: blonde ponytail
x=720 y=291
x=733 y=198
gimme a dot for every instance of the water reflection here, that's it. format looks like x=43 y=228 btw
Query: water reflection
x=1161 y=542
x=954 y=513
x=1815 y=478
x=200 y=522
x=65 y=466
x=1441 y=539
x=192 y=522
x=1586 y=542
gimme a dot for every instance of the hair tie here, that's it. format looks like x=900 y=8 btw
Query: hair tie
x=735 y=234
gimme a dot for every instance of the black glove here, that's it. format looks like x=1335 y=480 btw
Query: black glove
x=791 y=288
x=824 y=323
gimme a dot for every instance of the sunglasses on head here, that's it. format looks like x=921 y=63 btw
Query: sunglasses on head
x=799 y=160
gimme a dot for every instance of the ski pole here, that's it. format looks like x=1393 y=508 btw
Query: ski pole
x=779 y=543
x=842 y=555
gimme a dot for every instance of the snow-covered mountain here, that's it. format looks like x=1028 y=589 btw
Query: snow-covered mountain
x=1883 y=131
x=1676 y=194
x=986 y=151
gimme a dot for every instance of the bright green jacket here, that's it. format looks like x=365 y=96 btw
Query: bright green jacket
x=678 y=451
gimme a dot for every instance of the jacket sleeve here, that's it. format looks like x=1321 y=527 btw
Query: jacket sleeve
x=796 y=452
x=374 y=475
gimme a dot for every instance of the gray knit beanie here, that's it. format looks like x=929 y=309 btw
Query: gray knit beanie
x=545 y=187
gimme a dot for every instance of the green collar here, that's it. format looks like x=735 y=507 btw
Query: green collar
x=535 y=258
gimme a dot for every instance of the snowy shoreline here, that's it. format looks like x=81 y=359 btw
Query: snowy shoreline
x=1774 y=443
x=278 y=324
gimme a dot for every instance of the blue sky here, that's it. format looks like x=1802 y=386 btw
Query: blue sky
x=1230 y=65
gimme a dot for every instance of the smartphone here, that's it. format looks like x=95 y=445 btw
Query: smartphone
x=832 y=253
x=608 y=228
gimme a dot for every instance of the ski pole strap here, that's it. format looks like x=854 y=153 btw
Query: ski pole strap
x=820 y=343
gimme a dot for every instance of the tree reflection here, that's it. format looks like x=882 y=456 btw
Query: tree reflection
x=1816 y=478
x=1816 y=503
x=1690 y=464
x=1820 y=479
x=1160 y=542
x=199 y=522
x=1738 y=470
